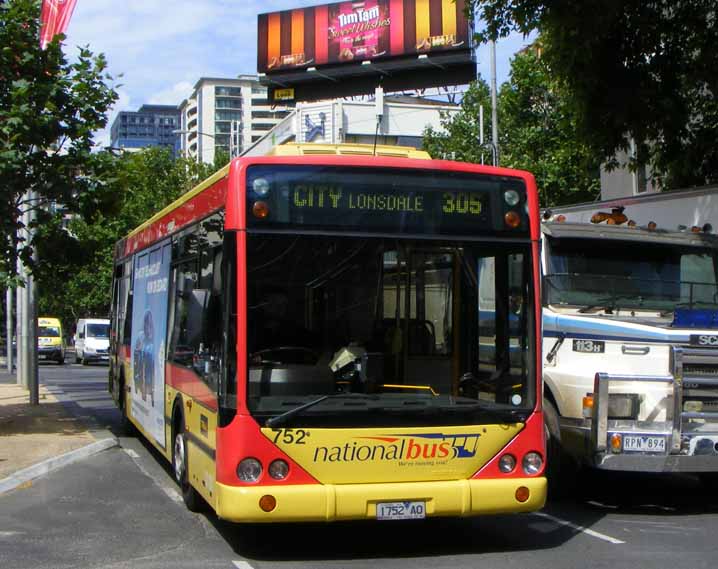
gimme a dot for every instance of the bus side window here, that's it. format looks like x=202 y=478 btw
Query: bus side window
x=184 y=336
x=196 y=336
x=125 y=308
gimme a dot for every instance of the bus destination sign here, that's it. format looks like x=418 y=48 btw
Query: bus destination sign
x=320 y=197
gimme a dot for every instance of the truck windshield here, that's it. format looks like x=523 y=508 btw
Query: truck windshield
x=420 y=327
x=614 y=274
x=98 y=330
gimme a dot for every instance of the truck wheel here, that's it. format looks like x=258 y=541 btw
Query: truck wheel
x=560 y=468
x=180 y=465
x=709 y=480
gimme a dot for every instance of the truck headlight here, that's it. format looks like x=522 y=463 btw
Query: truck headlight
x=623 y=406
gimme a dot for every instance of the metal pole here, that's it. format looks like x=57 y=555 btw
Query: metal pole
x=22 y=340
x=494 y=114
x=19 y=319
x=32 y=371
x=9 y=330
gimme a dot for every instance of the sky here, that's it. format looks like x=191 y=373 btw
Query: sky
x=158 y=49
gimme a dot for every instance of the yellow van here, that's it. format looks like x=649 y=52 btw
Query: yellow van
x=50 y=340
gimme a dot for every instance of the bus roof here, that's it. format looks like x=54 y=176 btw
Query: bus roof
x=349 y=150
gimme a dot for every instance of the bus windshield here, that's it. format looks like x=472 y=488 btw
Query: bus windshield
x=613 y=274
x=419 y=327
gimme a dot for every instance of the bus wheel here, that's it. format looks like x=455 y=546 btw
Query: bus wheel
x=560 y=468
x=126 y=425
x=180 y=464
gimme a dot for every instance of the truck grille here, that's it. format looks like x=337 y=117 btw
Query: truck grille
x=698 y=369
x=702 y=370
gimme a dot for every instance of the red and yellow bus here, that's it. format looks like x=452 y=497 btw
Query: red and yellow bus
x=333 y=337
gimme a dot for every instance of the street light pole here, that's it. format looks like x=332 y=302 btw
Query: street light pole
x=32 y=371
x=199 y=132
x=494 y=112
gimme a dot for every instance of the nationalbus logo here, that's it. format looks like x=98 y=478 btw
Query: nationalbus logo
x=407 y=449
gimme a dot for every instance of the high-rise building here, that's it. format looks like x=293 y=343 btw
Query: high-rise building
x=151 y=125
x=221 y=109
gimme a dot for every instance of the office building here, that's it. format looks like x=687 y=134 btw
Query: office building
x=151 y=125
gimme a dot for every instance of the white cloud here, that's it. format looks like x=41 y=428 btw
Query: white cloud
x=162 y=48
x=172 y=96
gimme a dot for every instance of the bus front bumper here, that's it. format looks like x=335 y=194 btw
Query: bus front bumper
x=329 y=502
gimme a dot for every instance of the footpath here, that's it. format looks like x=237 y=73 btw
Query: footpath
x=36 y=439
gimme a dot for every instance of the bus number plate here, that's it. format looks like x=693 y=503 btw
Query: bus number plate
x=643 y=443
x=400 y=510
x=589 y=346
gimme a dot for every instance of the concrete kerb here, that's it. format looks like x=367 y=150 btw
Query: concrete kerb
x=41 y=468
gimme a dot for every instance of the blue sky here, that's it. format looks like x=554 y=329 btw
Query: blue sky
x=161 y=48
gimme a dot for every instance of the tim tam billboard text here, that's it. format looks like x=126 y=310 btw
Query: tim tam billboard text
x=346 y=32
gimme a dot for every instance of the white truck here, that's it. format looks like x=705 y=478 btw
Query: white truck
x=630 y=345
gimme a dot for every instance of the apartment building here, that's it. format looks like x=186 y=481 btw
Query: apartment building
x=226 y=114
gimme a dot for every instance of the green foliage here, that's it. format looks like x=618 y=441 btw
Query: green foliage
x=538 y=126
x=49 y=109
x=637 y=69
x=537 y=132
x=75 y=270
x=460 y=141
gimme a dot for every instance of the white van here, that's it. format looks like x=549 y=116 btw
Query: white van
x=92 y=340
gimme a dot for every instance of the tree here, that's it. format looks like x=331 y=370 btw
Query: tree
x=537 y=132
x=538 y=125
x=49 y=109
x=135 y=186
x=460 y=137
x=642 y=70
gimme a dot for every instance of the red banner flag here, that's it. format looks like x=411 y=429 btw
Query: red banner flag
x=54 y=18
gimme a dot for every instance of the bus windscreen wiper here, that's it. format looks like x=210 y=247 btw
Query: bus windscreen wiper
x=282 y=418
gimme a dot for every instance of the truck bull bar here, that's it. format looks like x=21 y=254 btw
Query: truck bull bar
x=684 y=363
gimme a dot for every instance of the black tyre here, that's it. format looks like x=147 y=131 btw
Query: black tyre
x=128 y=428
x=561 y=469
x=77 y=359
x=180 y=465
x=709 y=480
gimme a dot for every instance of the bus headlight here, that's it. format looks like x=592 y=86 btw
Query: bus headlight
x=249 y=470
x=532 y=463
x=511 y=197
x=507 y=463
x=260 y=187
x=278 y=469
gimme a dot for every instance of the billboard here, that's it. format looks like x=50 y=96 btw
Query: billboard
x=336 y=39
x=149 y=329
